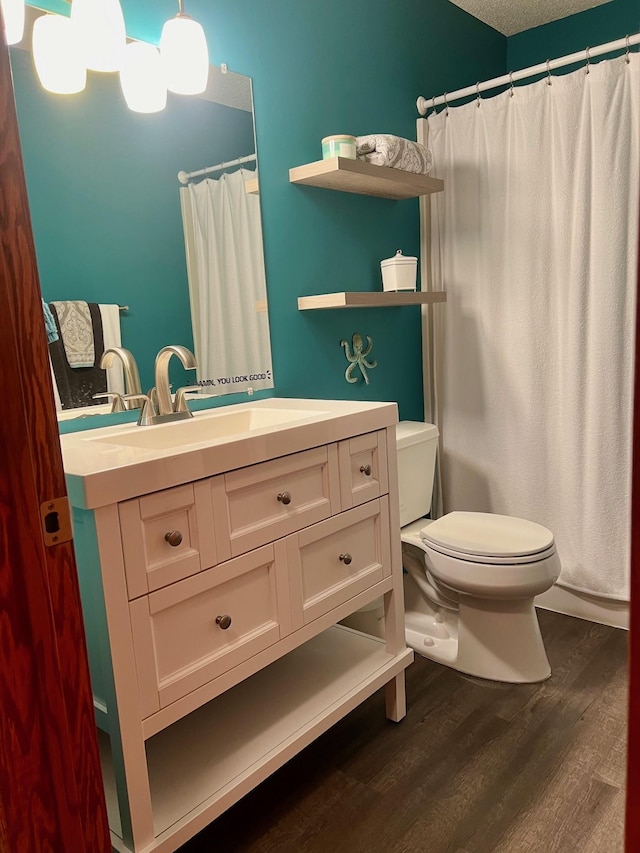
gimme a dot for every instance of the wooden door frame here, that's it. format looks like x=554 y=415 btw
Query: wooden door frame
x=51 y=792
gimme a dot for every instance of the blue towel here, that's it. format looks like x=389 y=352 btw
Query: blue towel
x=49 y=323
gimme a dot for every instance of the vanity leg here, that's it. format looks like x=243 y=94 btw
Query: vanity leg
x=396 y=698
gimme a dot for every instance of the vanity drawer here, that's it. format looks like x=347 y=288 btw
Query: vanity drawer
x=363 y=468
x=332 y=561
x=270 y=500
x=166 y=536
x=179 y=634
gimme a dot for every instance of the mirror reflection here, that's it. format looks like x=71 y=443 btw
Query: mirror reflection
x=157 y=261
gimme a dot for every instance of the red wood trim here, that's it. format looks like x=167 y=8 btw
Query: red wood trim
x=632 y=839
x=51 y=795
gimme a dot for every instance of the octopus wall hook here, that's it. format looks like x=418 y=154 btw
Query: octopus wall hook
x=358 y=357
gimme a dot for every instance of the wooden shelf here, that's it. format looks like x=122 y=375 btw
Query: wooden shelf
x=370 y=299
x=205 y=762
x=356 y=176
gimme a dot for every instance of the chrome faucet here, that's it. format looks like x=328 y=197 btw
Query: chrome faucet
x=130 y=369
x=165 y=409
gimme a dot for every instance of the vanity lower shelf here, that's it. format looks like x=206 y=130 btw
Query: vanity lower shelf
x=201 y=765
x=370 y=299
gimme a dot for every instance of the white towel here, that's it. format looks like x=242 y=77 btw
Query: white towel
x=112 y=338
x=383 y=149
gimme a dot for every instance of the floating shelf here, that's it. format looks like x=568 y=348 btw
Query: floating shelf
x=356 y=176
x=368 y=299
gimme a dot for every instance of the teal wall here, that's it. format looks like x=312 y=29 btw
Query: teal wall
x=608 y=22
x=103 y=194
x=320 y=69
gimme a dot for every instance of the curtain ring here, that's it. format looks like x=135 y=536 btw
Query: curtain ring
x=446 y=104
x=548 y=73
x=433 y=104
x=478 y=94
x=588 y=60
x=511 y=83
x=627 y=58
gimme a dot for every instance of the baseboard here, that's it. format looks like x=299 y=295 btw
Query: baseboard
x=605 y=611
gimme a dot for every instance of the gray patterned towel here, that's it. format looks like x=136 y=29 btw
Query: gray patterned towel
x=383 y=149
x=76 y=330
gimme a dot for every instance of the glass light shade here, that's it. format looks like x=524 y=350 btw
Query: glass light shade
x=185 y=57
x=57 y=55
x=13 y=15
x=141 y=78
x=101 y=31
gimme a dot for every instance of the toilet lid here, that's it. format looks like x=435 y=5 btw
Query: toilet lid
x=483 y=534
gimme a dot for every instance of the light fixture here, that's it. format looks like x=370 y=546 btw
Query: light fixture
x=13 y=16
x=141 y=78
x=101 y=32
x=184 y=54
x=57 y=55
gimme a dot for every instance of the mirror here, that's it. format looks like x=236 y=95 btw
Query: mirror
x=106 y=203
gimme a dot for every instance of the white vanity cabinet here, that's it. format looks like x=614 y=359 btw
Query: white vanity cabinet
x=213 y=577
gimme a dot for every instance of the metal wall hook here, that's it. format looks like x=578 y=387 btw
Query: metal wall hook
x=511 y=84
x=588 y=61
x=548 y=73
x=627 y=57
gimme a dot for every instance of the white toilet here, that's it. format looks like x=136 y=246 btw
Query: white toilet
x=470 y=578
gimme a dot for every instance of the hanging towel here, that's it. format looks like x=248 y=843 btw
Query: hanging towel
x=383 y=149
x=112 y=338
x=49 y=324
x=77 y=385
x=76 y=330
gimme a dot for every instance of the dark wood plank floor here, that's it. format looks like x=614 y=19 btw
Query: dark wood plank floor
x=475 y=767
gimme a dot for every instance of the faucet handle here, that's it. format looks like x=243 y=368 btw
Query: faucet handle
x=147 y=412
x=180 y=402
x=116 y=400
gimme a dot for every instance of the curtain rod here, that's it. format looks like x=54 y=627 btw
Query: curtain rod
x=425 y=104
x=185 y=177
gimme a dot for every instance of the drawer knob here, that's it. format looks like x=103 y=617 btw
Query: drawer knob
x=345 y=558
x=174 y=538
x=366 y=470
x=223 y=622
x=284 y=498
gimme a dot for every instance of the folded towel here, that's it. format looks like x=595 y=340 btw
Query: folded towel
x=49 y=324
x=76 y=330
x=383 y=149
x=112 y=338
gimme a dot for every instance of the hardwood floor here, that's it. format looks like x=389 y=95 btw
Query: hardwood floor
x=475 y=767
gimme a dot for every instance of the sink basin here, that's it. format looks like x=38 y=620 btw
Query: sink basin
x=205 y=426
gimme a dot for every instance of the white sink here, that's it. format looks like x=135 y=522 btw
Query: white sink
x=205 y=426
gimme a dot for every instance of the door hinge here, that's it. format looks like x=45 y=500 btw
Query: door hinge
x=56 y=521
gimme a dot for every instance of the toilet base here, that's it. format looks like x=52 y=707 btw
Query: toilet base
x=499 y=641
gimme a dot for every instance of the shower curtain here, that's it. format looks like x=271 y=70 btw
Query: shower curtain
x=535 y=240
x=227 y=284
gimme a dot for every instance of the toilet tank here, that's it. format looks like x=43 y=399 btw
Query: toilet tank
x=417 y=443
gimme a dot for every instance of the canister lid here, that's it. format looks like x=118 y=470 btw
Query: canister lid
x=344 y=137
x=398 y=258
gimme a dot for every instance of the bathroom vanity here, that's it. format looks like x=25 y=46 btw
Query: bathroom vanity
x=216 y=557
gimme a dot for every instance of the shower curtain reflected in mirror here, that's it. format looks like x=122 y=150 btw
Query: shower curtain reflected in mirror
x=227 y=284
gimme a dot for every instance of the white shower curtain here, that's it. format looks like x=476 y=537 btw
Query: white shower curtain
x=227 y=284
x=535 y=241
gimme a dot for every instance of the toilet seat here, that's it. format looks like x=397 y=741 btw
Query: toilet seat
x=480 y=537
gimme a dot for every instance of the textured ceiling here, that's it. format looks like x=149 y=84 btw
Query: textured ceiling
x=513 y=16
